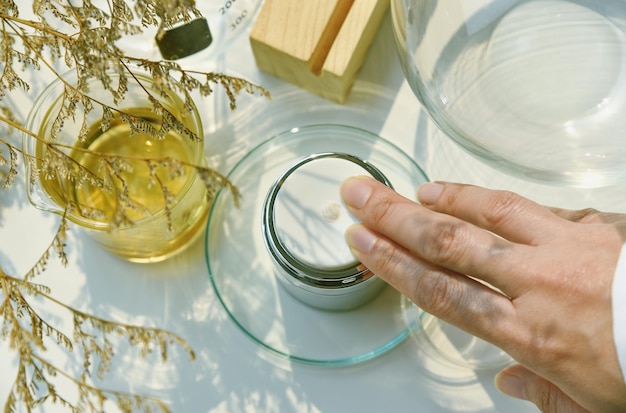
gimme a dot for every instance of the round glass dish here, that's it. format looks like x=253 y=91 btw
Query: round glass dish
x=243 y=273
x=535 y=88
x=451 y=346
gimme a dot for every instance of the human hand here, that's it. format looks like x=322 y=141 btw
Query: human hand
x=553 y=269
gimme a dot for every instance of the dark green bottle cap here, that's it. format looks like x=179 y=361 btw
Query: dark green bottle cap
x=184 y=40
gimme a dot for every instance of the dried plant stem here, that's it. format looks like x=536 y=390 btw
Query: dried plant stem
x=36 y=387
x=109 y=326
x=83 y=36
x=34 y=25
x=41 y=389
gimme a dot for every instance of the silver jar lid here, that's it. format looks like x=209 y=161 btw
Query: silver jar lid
x=304 y=220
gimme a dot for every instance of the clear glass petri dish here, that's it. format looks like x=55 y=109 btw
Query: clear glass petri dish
x=460 y=352
x=244 y=275
x=535 y=88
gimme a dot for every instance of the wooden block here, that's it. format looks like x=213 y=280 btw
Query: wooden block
x=317 y=45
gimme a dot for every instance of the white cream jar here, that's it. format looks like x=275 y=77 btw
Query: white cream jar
x=304 y=222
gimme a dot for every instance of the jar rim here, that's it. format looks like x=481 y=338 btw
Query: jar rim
x=326 y=278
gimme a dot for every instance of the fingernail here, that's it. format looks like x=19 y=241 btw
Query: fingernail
x=511 y=386
x=429 y=192
x=355 y=192
x=360 y=238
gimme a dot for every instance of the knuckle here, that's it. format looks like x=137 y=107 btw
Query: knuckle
x=501 y=206
x=582 y=216
x=541 y=347
x=547 y=398
x=382 y=210
x=388 y=260
x=452 y=195
x=446 y=243
x=437 y=293
x=587 y=215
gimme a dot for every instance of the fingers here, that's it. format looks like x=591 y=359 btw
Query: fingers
x=450 y=296
x=436 y=238
x=519 y=382
x=589 y=216
x=504 y=213
x=578 y=215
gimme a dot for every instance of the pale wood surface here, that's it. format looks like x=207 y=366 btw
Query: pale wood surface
x=316 y=45
x=352 y=43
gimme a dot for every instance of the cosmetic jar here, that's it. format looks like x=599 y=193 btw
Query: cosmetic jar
x=277 y=257
x=304 y=222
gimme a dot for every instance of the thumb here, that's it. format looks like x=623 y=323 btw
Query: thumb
x=519 y=382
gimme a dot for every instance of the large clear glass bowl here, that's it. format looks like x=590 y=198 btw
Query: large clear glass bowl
x=536 y=88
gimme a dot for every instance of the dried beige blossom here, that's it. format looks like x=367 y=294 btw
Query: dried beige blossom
x=83 y=36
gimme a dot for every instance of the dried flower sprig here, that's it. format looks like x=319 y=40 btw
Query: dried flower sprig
x=34 y=383
x=83 y=37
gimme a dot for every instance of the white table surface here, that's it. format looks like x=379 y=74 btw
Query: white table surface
x=232 y=373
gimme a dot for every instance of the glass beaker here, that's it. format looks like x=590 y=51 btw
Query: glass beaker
x=134 y=188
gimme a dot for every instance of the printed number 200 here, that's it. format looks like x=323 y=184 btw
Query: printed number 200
x=227 y=5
